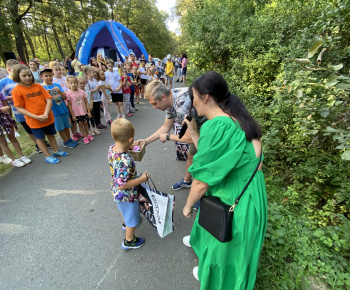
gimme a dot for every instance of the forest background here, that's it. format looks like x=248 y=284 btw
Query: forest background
x=289 y=62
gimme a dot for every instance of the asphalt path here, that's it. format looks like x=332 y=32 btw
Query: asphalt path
x=61 y=229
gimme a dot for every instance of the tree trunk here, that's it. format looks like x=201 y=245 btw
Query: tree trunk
x=57 y=40
x=29 y=40
x=19 y=40
x=47 y=46
x=65 y=30
x=128 y=15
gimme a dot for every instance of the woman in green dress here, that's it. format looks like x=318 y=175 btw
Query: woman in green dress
x=229 y=150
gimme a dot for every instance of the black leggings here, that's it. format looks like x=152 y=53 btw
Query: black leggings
x=97 y=113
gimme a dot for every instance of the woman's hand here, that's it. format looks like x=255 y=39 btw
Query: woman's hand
x=191 y=126
x=187 y=211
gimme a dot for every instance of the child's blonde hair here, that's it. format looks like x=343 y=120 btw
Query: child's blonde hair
x=53 y=64
x=16 y=70
x=110 y=61
x=10 y=63
x=88 y=68
x=122 y=130
x=81 y=79
x=71 y=77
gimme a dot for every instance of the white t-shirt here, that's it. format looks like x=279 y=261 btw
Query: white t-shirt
x=143 y=72
x=113 y=79
x=62 y=82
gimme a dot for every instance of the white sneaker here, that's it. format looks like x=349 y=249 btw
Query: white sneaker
x=18 y=163
x=25 y=160
x=186 y=241
x=4 y=159
x=195 y=272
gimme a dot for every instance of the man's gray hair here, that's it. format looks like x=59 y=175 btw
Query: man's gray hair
x=156 y=89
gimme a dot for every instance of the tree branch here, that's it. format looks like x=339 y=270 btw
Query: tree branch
x=20 y=16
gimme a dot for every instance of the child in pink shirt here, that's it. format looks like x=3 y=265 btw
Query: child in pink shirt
x=79 y=107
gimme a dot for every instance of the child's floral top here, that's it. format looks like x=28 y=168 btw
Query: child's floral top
x=122 y=169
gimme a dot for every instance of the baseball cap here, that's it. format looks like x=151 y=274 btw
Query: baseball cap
x=45 y=70
x=131 y=53
x=168 y=56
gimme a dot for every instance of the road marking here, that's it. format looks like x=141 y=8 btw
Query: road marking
x=107 y=272
x=56 y=192
x=12 y=229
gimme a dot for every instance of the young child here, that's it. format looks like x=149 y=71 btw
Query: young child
x=79 y=107
x=61 y=80
x=126 y=92
x=136 y=82
x=106 y=95
x=95 y=96
x=35 y=103
x=114 y=80
x=59 y=108
x=169 y=72
x=82 y=86
x=8 y=125
x=124 y=184
x=132 y=87
x=6 y=87
x=143 y=76
x=151 y=75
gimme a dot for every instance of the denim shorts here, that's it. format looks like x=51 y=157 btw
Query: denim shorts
x=40 y=133
x=62 y=122
x=169 y=78
x=130 y=212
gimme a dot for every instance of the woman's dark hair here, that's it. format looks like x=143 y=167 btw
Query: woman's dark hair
x=184 y=55
x=213 y=84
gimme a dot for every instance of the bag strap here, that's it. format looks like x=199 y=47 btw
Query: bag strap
x=150 y=179
x=239 y=197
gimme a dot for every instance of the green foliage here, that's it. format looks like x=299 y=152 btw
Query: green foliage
x=289 y=62
x=40 y=19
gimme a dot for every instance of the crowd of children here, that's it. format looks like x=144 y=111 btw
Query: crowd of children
x=45 y=100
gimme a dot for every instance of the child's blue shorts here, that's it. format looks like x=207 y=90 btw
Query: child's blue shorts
x=40 y=133
x=130 y=212
x=62 y=122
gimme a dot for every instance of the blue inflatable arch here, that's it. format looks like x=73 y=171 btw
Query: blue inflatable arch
x=104 y=35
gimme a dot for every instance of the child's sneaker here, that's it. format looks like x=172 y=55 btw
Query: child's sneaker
x=52 y=160
x=92 y=133
x=97 y=132
x=135 y=244
x=6 y=160
x=129 y=115
x=75 y=137
x=70 y=144
x=18 y=163
x=90 y=137
x=37 y=150
x=25 y=160
x=86 y=140
x=60 y=153
x=79 y=135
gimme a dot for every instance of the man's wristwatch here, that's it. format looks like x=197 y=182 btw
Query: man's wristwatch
x=168 y=136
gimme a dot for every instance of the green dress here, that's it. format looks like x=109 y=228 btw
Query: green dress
x=225 y=161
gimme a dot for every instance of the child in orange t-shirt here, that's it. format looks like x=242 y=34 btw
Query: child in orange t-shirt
x=35 y=103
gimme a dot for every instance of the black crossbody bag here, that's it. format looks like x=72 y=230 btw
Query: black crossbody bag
x=216 y=217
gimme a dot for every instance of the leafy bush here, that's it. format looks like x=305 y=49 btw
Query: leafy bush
x=289 y=62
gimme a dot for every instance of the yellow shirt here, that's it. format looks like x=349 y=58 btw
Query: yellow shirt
x=169 y=67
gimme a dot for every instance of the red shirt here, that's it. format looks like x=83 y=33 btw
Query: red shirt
x=126 y=89
x=134 y=64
